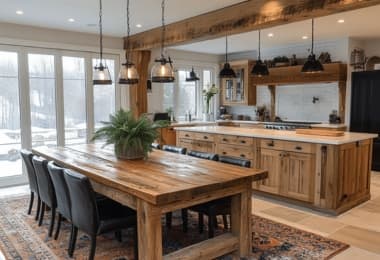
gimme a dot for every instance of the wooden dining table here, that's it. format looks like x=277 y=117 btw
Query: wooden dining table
x=165 y=182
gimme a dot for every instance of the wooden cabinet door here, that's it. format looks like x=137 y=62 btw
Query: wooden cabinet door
x=271 y=161
x=354 y=171
x=297 y=178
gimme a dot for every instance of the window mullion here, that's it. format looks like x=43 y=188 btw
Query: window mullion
x=89 y=98
x=59 y=102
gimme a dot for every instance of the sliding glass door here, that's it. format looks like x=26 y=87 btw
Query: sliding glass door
x=47 y=98
x=10 y=138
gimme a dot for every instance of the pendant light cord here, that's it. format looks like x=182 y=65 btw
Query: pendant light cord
x=163 y=28
x=128 y=35
x=312 y=36
x=226 y=49
x=101 y=31
x=259 y=44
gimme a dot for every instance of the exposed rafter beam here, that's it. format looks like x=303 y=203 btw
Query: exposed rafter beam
x=243 y=17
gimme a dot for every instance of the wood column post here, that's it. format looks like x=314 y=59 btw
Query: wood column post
x=342 y=100
x=272 y=89
x=138 y=98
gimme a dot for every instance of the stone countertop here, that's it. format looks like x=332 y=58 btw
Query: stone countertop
x=191 y=123
x=348 y=137
x=324 y=125
x=239 y=121
x=327 y=125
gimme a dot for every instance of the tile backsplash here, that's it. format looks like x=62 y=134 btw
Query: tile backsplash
x=295 y=103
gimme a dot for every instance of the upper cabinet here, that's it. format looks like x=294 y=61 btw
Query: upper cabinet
x=239 y=90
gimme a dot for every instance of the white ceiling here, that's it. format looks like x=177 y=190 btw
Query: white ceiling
x=55 y=13
x=360 y=23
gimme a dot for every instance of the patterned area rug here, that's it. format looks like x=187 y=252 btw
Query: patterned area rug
x=21 y=238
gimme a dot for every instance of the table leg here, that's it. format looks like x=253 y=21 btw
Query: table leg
x=149 y=231
x=241 y=221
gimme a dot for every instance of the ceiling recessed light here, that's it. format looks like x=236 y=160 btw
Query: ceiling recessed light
x=270 y=34
x=19 y=12
x=341 y=21
x=138 y=25
x=71 y=20
x=305 y=37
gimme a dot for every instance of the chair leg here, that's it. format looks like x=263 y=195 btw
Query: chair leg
x=73 y=240
x=58 y=226
x=169 y=219
x=42 y=213
x=225 y=222
x=211 y=225
x=31 y=202
x=136 y=247
x=38 y=208
x=200 y=222
x=52 y=220
x=93 y=248
x=118 y=236
x=215 y=222
x=184 y=220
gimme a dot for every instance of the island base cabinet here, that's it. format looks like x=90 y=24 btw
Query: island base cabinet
x=297 y=177
x=271 y=161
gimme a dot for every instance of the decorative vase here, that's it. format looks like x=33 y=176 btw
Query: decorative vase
x=207 y=117
x=128 y=153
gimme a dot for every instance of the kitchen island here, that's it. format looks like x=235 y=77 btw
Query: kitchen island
x=330 y=174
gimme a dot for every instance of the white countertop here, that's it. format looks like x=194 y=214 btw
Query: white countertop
x=327 y=125
x=191 y=123
x=348 y=137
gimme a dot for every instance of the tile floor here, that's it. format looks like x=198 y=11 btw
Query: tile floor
x=358 y=227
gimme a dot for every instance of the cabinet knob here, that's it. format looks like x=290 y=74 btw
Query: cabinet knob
x=242 y=141
x=186 y=135
x=270 y=144
x=242 y=155
x=224 y=153
x=224 y=140
x=298 y=148
x=205 y=137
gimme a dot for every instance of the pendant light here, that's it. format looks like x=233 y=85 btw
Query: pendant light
x=227 y=71
x=193 y=76
x=162 y=71
x=128 y=74
x=101 y=74
x=312 y=65
x=260 y=69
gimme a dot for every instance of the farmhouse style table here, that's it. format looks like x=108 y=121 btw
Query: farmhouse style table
x=163 y=183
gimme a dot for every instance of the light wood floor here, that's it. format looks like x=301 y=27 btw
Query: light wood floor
x=359 y=227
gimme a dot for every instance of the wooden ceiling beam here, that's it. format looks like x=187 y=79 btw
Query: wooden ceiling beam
x=243 y=17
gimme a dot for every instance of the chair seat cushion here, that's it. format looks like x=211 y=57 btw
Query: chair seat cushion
x=218 y=207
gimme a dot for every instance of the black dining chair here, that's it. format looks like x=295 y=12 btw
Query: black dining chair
x=46 y=190
x=62 y=195
x=179 y=150
x=33 y=186
x=203 y=155
x=156 y=146
x=174 y=149
x=95 y=217
x=219 y=206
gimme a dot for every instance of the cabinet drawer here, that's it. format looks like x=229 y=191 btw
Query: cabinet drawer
x=187 y=135
x=204 y=137
x=299 y=147
x=272 y=144
x=235 y=151
x=236 y=140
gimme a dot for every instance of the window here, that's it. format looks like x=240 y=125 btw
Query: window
x=104 y=96
x=74 y=96
x=185 y=97
x=10 y=140
x=42 y=99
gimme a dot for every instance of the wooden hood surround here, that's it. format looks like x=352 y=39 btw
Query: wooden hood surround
x=242 y=17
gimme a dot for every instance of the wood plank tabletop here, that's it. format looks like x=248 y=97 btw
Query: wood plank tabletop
x=162 y=178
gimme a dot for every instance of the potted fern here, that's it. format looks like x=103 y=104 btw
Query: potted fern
x=132 y=137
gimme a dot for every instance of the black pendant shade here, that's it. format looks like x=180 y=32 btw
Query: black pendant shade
x=312 y=65
x=193 y=76
x=227 y=71
x=260 y=69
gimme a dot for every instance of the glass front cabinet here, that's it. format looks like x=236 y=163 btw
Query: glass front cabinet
x=239 y=90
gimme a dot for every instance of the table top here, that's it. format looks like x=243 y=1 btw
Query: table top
x=162 y=178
